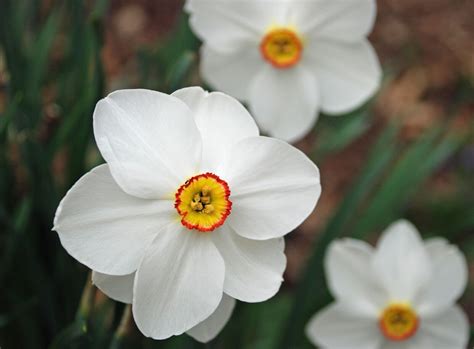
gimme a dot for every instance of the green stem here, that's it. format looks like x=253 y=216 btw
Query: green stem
x=124 y=330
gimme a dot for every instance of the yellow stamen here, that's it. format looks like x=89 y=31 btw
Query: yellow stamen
x=282 y=47
x=398 y=321
x=203 y=202
x=205 y=190
x=196 y=206
x=208 y=209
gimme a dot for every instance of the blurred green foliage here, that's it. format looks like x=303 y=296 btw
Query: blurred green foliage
x=46 y=144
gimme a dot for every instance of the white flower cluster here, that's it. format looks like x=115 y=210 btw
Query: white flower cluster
x=189 y=212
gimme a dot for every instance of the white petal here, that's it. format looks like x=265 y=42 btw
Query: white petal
x=436 y=247
x=229 y=25
x=231 y=72
x=178 y=284
x=105 y=228
x=449 y=279
x=412 y=343
x=401 y=261
x=335 y=327
x=119 y=288
x=448 y=330
x=351 y=278
x=274 y=187
x=285 y=102
x=210 y=328
x=222 y=122
x=348 y=74
x=341 y=20
x=253 y=269
x=149 y=139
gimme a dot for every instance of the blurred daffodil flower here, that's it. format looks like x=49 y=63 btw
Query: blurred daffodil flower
x=399 y=295
x=288 y=59
x=190 y=208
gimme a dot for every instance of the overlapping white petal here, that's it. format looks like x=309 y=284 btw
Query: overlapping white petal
x=179 y=283
x=348 y=74
x=274 y=187
x=105 y=228
x=254 y=268
x=401 y=261
x=227 y=25
x=350 y=277
x=231 y=72
x=414 y=343
x=285 y=103
x=222 y=122
x=450 y=329
x=335 y=327
x=119 y=288
x=448 y=280
x=340 y=20
x=210 y=328
x=436 y=247
x=148 y=139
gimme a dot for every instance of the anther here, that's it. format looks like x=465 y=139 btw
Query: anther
x=196 y=206
x=203 y=202
x=398 y=322
x=208 y=209
x=205 y=190
x=282 y=47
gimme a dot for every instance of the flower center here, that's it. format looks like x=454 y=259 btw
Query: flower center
x=398 y=322
x=282 y=47
x=203 y=202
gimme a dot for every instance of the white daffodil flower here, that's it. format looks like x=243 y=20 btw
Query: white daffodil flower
x=400 y=295
x=288 y=59
x=192 y=200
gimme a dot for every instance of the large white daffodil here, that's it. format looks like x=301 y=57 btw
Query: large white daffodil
x=400 y=295
x=191 y=205
x=288 y=59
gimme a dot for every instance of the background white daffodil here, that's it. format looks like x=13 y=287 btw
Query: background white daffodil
x=288 y=59
x=400 y=295
x=192 y=200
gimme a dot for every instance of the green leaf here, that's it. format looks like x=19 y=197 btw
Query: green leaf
x=335 y=133
x=403 y=181
x=179 y=71
x=73 y=336
x=38 y=57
